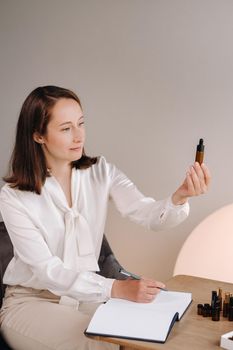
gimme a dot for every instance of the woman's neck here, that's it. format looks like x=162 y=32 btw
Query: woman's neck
x=61 y=173
x=63 y=176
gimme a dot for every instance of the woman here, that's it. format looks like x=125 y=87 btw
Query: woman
x=54 y=206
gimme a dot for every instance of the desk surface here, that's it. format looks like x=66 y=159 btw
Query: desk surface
x=192 y=331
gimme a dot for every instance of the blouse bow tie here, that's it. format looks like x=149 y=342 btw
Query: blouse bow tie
x=76 y=227
x=79 y=252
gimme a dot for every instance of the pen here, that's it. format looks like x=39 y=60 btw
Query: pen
x=129 y=274
x=135 y=277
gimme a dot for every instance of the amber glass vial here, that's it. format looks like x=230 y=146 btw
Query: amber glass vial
x=200 y=152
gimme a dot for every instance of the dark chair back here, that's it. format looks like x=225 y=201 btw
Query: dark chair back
x=6 y=254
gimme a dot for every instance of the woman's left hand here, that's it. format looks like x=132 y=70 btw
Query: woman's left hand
x=196 y=182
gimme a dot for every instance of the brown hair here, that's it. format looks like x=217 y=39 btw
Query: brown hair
x=28 y=170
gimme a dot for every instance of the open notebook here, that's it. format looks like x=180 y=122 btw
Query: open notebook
x=139 y=321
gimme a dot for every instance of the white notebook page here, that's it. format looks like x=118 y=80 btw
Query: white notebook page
x=150 y=321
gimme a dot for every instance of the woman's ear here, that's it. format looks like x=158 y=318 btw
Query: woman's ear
x=38 y=138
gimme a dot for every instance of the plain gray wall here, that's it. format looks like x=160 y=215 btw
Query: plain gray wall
x=153 y=76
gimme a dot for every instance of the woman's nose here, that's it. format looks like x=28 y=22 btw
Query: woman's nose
x=78 y=135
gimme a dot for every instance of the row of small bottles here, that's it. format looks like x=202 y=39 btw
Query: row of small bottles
x=217 y=305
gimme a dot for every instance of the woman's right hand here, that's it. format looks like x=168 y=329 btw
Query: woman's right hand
x=141 y=291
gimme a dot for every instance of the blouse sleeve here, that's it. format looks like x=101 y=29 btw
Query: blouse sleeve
x=151 y=213
x=35 y=266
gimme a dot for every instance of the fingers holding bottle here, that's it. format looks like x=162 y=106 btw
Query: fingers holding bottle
x=200 y=177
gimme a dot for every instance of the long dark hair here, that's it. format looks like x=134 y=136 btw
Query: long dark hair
x=28 y=169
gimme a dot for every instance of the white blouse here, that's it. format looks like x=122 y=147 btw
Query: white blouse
x=57 y=247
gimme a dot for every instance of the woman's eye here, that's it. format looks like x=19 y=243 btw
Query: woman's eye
x=80 y=124
x=65 y=129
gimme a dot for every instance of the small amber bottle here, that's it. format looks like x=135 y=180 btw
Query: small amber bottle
x=226 y=301
x=220 y=297
x=230 y=314
x=200 y=309
x=200 y=152
x=216 y=311
x=214 y=297
x=206 y=311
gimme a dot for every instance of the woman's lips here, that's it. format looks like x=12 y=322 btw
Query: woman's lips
x=76 y=148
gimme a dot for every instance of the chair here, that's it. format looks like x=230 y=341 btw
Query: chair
x=109 y=265
x=208 y=252
x=6 y=253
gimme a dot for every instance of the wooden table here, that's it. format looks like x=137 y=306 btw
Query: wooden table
x=192 y=332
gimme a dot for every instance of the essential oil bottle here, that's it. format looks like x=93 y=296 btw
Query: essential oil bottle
x=200 y=152
x=226 y=301
x=216 y=311
x=230 y=314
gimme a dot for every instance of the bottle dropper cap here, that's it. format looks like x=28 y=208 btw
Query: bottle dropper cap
x=200 y=146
